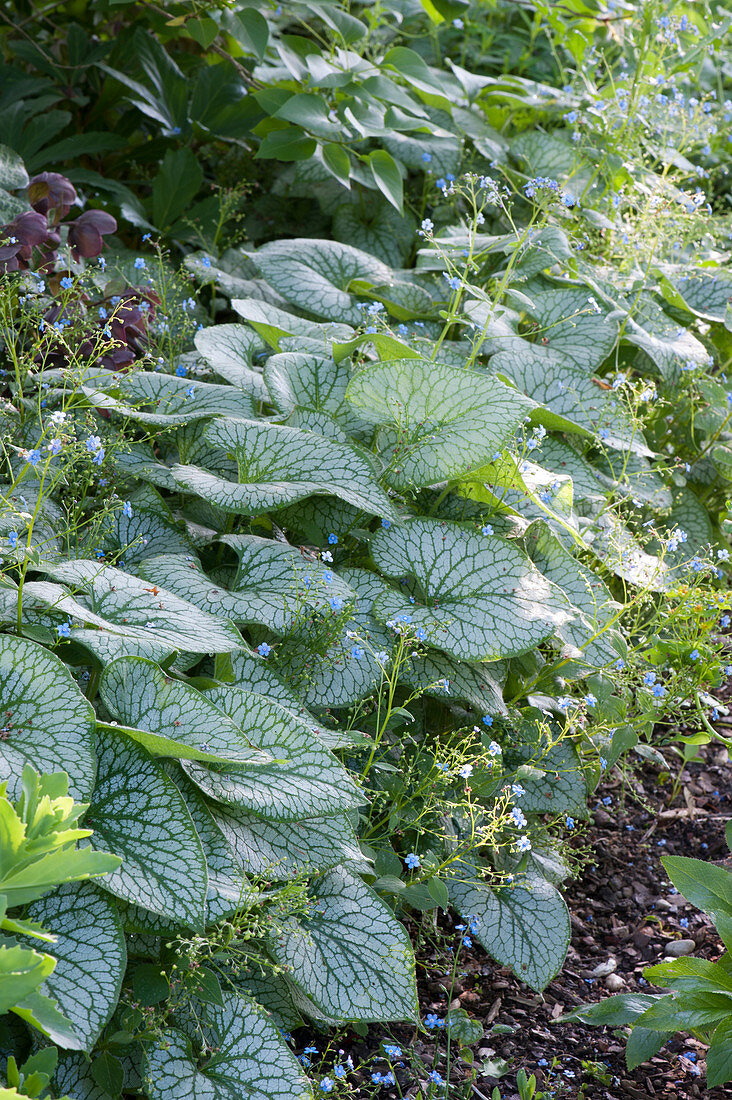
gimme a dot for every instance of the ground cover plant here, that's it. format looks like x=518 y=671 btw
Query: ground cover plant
x=364 y=507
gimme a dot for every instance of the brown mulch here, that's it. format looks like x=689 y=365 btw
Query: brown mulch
x=623 y=913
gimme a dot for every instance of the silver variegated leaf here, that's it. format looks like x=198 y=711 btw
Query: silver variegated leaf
x=273 y=324
x=446 y=678
x=279 y=465
x=525 y=926
x=349 y=669
x=304 y=779
x=315 y=275
x=274 y=585
x=350 y=955
x=477 y=597
x=229 y=351
x=445 y=420
x=591 y=630
x=130 y=606
x=138 y=813
x=170 y=718
x=45 y=720
x=287 y=849
x=249 y=1060
x=228 y=887
x=90 y=955
x=164 y=400
x=150 y=530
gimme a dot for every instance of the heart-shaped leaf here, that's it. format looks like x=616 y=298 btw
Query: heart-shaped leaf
x=127 y=605
x=171 y=718
x=288 y=849
x=446 y=678
x=525 y=926
x=150 y=529
x=350 y=955
x=163 y=400
x=138 y=813
x=249 y=1060
x=228 y=886
x=349 y=669
x=314 y=275
x=46 y=721
x=273 y=323
x=274 y=585
x=304 y=778
x=446 y=421
x=476 y=597
x=228 y=350
x=279 y=465
x=90 y=955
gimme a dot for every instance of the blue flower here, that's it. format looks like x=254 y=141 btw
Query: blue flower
x=658 y=691
x=694 y=655
x=127 y=509
x=426 y=157
x=412 y=861
x=326 y=1084
x=603 y=763
x=524 y=844
x=386 y=524
x=487 y=720
x=569 y=822
x=332 y=539
x=67 y=283
x=64 y=630
x=435 y=1078
x=263 y=649
x=486 y=529
x=32 y=457
x=181 y=371
x=431 y=1020
x=391 y=1050
x=357 y=652
x=591 y=699
x=13 y=539
x=336 y=603
x=139 y=264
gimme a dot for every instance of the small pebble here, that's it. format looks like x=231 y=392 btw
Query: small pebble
x=677 y=948
x=604 y=968
x=614 y=983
